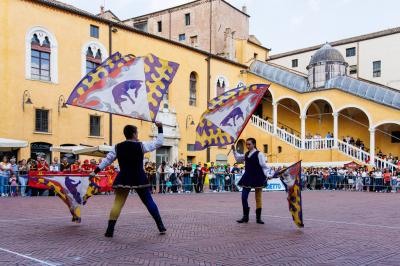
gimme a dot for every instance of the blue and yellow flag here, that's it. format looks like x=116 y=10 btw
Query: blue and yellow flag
x=227 y=115
x=291 y=179
x=126 y=85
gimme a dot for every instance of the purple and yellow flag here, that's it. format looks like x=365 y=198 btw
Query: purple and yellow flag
x=126 y=85
x=291 y=179
x=73 y=189
x=227 y=115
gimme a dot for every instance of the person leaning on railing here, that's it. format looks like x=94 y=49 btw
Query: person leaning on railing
x=23 y=176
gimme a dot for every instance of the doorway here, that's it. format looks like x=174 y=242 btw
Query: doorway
x=162 y=155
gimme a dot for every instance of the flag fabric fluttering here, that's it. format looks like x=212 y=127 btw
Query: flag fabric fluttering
x=227 y=115
x=291 y=179
x=73 y=189
x=126 y=85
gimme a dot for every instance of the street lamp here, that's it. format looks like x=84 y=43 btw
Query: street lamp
x=26 y=99
x=61 y=103
x=189 y=118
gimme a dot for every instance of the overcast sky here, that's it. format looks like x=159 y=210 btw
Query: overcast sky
x=283 y=25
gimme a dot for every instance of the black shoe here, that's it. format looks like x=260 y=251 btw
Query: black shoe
x=160 y=226
x=110 y=228
x=258 y=216
x=245 y=218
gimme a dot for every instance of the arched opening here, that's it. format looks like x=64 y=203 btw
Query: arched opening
x=289 y=116
x=387 y=142
x=41 y=55
x=353 y=127
x=319 y=120
x=40 y=58
x=41 y=149
x=193 y=89
x=70 y=156
x=264 y=109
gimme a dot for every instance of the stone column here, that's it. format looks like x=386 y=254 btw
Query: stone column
x=275 y=116
x=303 y=130
x=372 y=146
x=335 y=129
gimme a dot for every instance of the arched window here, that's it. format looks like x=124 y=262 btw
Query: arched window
x=92 y=54
x=92 y=61
x=192 y=89
x=40 y=58
x=41 y=55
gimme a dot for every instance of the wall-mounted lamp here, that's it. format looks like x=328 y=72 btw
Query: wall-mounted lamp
x=189 y=118
x=26 y=99
x=61 y=103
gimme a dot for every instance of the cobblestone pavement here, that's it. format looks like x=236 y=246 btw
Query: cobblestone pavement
x=341 y=228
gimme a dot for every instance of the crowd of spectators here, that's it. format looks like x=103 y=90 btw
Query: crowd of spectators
x=181 y=178
x=342 y=178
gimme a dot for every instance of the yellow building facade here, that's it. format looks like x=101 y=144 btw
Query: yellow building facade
x=65 y=34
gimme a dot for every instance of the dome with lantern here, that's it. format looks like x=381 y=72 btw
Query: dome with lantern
x=325 y=64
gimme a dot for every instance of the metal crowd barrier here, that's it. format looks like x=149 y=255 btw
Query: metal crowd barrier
x=228 y=183
x=350 y=183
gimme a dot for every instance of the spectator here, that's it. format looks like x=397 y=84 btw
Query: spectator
x=211 y=177
x=76 y=166
x=359 y=182
x=198 y=177
x=55 y=165
x=65 y=166
x=387 y=179
x=23 y=176
x=162 y=175
x=42 y=165
x=5 y=172
x=394 y=180
x=187 y=180
x=86 y=167
x=378 y=177
x=13 y=185
x=220 y=178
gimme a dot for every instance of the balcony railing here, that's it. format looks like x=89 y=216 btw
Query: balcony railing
x=321 y=144
x=289 y=138
x=318 y=144
x=354 y=152
x=263 y=124
x=384 y=164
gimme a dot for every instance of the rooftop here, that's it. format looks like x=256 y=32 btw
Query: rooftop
x=72 y=9
x=183 y=6
x=373 y=92
x=358 y=38
x=326 y=54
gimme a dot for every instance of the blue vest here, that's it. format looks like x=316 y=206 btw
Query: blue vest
x=253 y=175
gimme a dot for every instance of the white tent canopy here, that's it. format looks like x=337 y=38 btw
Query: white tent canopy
x=9 y=144
x=97 y=151
x=66 y=149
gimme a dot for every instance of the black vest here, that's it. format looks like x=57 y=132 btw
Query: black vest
x=253 y=175
x=130 y=157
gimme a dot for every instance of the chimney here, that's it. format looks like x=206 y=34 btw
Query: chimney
x=101 y=10
x=244 y=9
